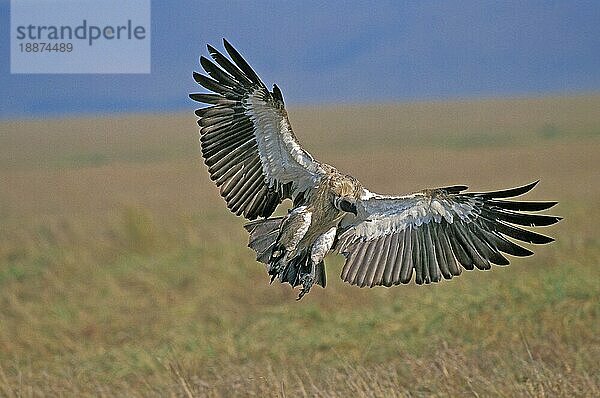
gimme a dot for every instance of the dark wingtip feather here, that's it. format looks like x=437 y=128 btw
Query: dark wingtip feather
x=210 y=98
x=198 y=77
x=220 y=75
x=523 y=253
x=205 y=62
x=521 y=234
x=555 y=219
x=454 y=189
x=227 y=44
x=523 y=205
x=215 y=86
x=526 y=219
x=277 y=93
x=509 y=193
x=205 y=98
x=229 y=66
x=241 y=63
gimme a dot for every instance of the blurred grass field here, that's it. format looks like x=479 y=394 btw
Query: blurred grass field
x=123 y=274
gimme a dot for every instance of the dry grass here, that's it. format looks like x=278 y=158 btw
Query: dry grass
x=122 y=273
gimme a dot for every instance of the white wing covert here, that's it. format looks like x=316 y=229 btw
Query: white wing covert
x=435 y=233
x=247 y=140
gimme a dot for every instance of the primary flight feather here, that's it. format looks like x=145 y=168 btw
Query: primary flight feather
x=253 y=156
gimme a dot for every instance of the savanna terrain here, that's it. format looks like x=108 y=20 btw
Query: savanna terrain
x=123 y=274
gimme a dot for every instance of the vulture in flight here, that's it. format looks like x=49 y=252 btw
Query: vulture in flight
x=254 y=158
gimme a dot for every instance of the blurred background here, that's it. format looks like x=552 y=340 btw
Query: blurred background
x=122 y=272
x=332 y=52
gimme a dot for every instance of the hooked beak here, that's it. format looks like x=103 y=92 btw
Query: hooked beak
x=348 y=206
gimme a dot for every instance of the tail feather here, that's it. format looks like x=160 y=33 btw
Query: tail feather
x=263 y=235
x=261 y=227
x=264 y=242
x=321 y=278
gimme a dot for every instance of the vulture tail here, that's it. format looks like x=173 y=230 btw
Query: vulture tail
x=263 y=240
x=263 y=236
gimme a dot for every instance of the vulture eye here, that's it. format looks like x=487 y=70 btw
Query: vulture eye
x=348 y=206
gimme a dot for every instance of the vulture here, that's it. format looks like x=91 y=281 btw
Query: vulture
x=254 y=158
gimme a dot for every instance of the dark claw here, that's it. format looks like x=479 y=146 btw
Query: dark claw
x=307 y=281
x=303 y=291
x=274 y=270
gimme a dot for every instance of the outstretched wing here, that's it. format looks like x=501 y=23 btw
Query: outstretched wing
x=246 y=138
x=435 y=233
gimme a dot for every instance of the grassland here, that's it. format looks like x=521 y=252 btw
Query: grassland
x=122 y=273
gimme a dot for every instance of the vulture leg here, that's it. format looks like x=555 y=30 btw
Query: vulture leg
x=308 y=279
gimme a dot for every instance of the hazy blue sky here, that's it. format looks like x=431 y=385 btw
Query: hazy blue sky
x=325 y=52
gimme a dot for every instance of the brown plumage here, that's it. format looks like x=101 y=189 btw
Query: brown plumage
x=254 y=158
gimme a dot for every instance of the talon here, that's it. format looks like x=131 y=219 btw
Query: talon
x=302 y=293
x=274 y=271
x=307 y=281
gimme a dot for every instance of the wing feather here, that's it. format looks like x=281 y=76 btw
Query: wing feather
x=418 y=256
x=470 y=246
x=228 y=66
x=242 y=64
x=450 y=259
x=434 y=265
x=440 y=251
x=522 y=206
x=489 y=251
x=406 y=267
x=459 y=252
x=219 y=74
x=384 y=260
x=436 y=233
x=367 y=263
x=395 y=257
x=245 y=125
